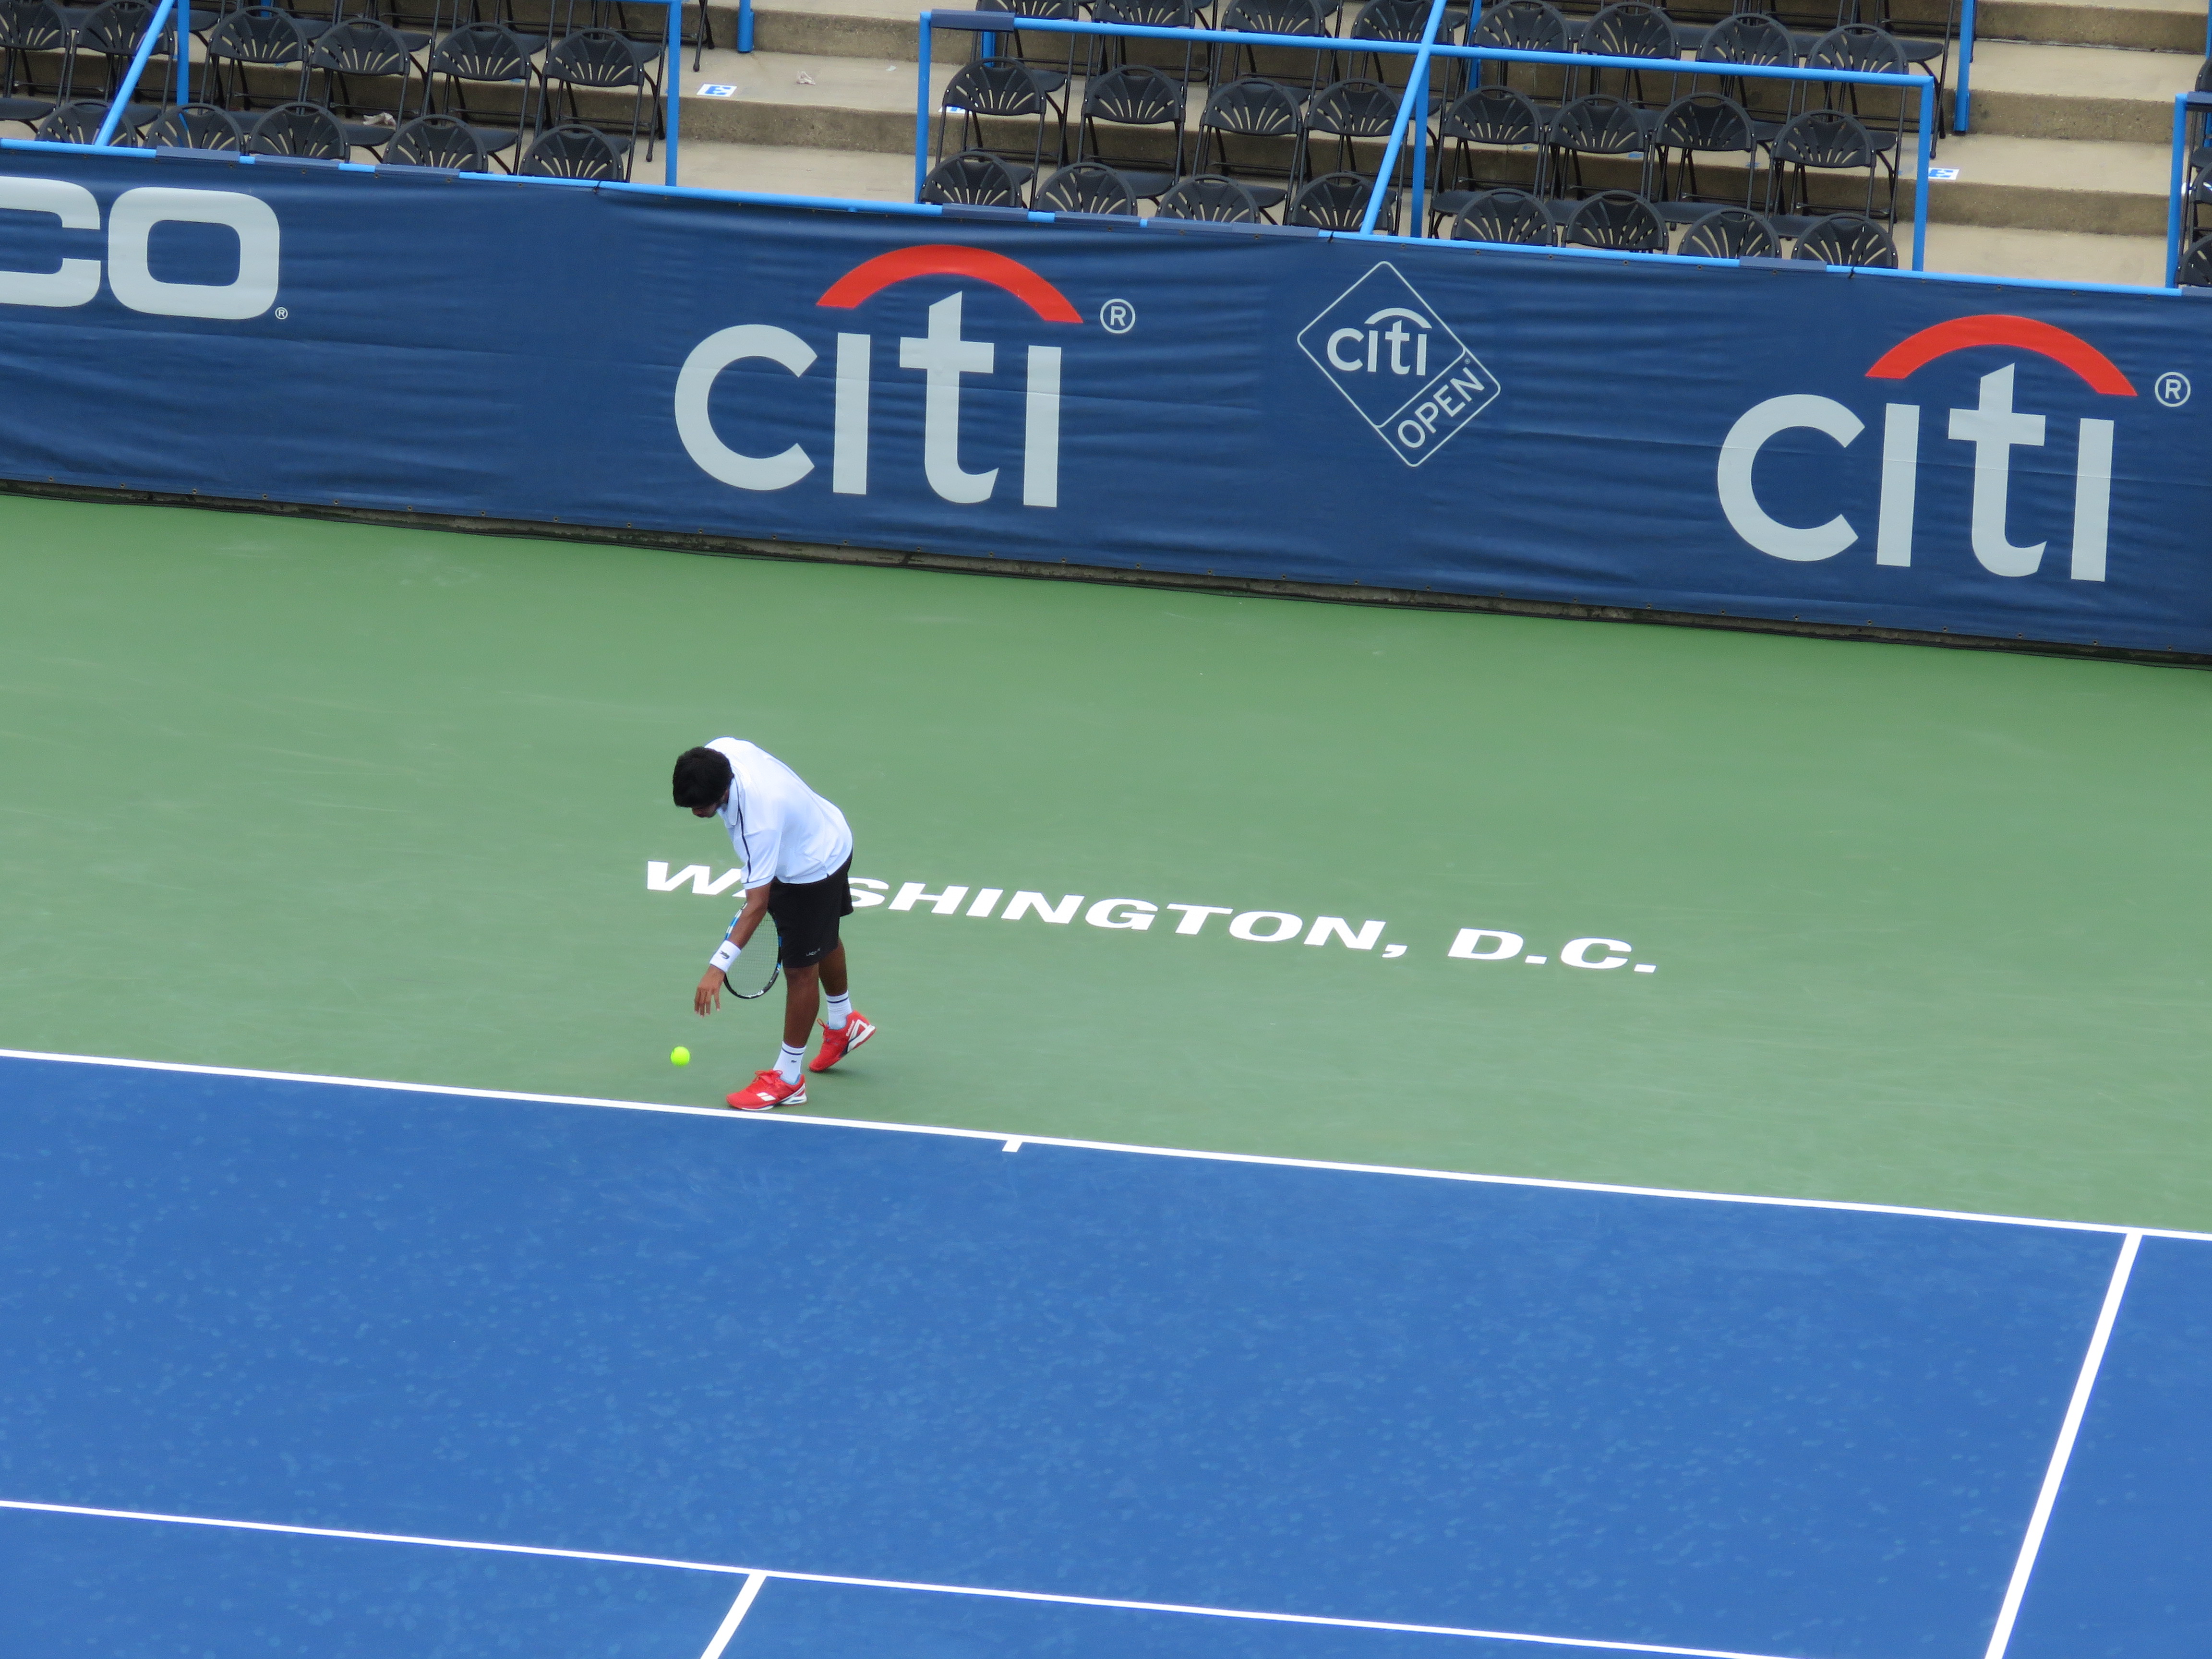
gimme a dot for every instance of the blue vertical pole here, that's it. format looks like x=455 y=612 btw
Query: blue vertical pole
x=2173 y=191
x=146 y=43
x=675 y=73
x=744 y=24
x=184 y=53
x=1928 y=114
x=1964 y=90
x=1416 y=84
x=1420 y=158
x=921 y=114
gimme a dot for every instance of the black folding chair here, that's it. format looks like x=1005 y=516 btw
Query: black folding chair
x=1298 y=17
x=974 y=178
x=1482 y=129
x=1846 y=238
x=300 y=129
x=1338 y=201
x=1005 y=90
x=1730 y=233
x=585 y=71
x=439 y=141
x=1629 y=29
x=1143 y=104
x=1504 y=215
x=1619 y=219
x=1596 y=124
x=196 y=126
x=1826 y=141
x=1702 y=124
x=1086 y=187
x=573 y=151
x=1267 y=121
x=262 y=43
x=480 y=74
x=1210 y=195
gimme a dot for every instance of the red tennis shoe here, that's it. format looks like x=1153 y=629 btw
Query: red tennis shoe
x=835 y=1045
x=766 y=1091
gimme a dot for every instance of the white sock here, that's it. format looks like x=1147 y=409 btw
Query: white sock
x=835 y=1011
x=787 y=1063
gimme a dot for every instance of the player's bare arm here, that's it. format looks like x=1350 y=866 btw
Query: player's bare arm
x=743 y=926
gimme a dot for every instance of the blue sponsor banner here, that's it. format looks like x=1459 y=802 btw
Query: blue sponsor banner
x=1780 y=443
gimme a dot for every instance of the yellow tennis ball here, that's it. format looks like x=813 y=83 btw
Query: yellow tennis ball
x=679 y=1057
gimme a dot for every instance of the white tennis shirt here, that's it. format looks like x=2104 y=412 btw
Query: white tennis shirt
x=779 y=829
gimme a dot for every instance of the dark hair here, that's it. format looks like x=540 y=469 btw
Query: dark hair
x=703 y=776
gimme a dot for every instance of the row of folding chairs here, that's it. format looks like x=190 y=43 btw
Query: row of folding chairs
x=1617 y=220
x=1407 y=21
x=313 y=131
x=1130 y=96
x=1749 y=32
x=1133 y=120
x=1625 y=222
x=1496 y=137
x=258 y=57
x=1335 y=201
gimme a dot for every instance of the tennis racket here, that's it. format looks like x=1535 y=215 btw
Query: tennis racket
x=754 y=973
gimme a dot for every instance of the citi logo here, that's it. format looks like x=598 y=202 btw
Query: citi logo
x=1993 y=426
x=1397 y=361
x=131 y=223
x=1344 y=345
x=942 y=356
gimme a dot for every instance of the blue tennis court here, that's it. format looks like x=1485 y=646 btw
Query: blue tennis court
x=299 y=1365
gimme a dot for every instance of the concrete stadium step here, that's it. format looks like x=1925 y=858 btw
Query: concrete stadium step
x=2037 y=90
x=2076 y=184
x=834 y=28
x=815 y=101
x=2144 y=24
x=2053 y=255
x=797 y=170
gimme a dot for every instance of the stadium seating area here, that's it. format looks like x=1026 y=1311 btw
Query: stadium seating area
x=1632 y=160
x=572 y=89
x=2193 y=261
x=2065 y=172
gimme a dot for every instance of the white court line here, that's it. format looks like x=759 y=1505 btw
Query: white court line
x=2054 y=1476
x=764 y=1573
x=725 y=1115
x=736 y=1615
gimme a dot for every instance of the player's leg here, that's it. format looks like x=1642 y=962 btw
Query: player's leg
x=843 y=1027
x=801 y=942
x=802 y=1000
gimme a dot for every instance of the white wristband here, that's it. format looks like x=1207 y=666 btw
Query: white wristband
x=724 y=954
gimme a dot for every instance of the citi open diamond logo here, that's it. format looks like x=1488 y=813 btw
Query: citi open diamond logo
x=1409 y=376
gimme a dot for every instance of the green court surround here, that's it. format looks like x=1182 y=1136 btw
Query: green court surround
x=1931 y=927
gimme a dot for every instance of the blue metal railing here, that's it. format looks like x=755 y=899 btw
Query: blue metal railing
x=1962 y=92
x=988 y=22
x=146 y=42
x=2192 y=113
x=1416 y=77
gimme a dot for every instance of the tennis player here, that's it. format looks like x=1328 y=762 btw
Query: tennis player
x=797 y=854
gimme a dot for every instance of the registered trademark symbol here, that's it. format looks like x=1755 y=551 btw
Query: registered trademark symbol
x=2172 y=388
x=1118 y=317
x=281 y=314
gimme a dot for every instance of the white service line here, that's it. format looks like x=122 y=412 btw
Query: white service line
x=737 y=1612
x=736 y=1615
x=724 y=1115
x=2055 y=1475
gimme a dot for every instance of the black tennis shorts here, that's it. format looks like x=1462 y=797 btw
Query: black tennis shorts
x=806 y=914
